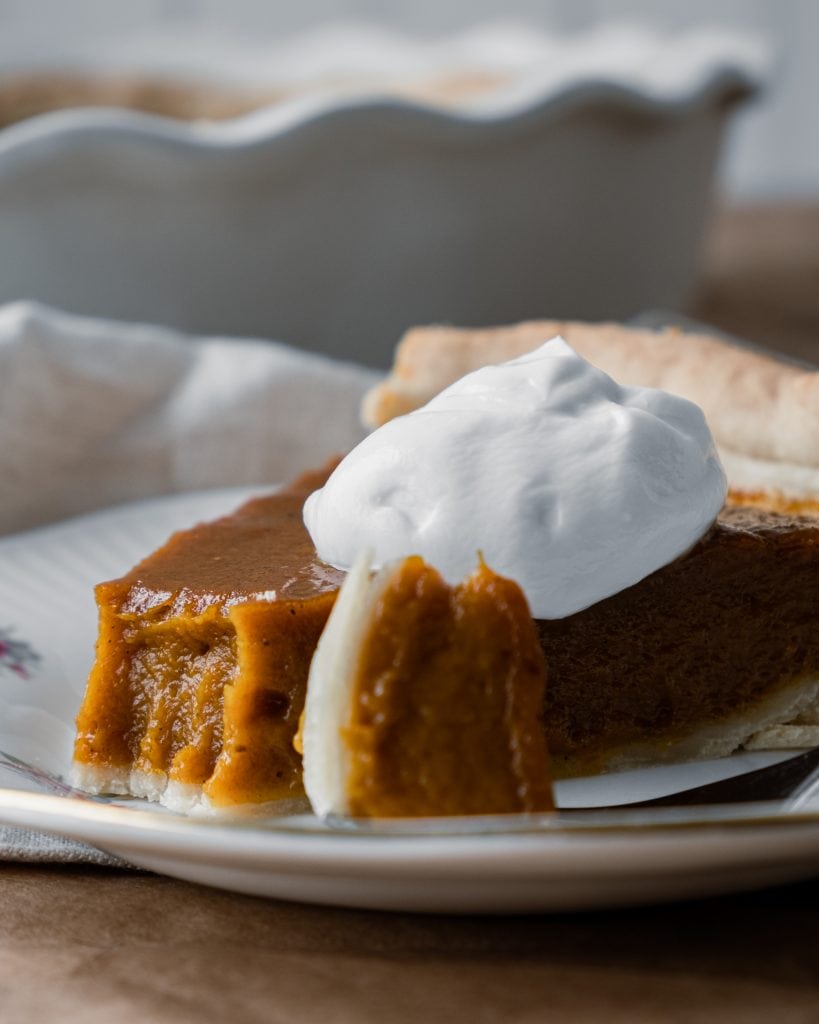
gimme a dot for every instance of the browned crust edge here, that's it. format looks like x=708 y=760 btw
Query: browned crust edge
x=756 y=405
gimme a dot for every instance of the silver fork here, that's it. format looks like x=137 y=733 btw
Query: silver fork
x=794 y=781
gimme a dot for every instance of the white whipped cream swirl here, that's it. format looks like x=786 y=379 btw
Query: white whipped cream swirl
x=567 y=482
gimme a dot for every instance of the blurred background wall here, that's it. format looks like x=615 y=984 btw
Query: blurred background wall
x=774 y=147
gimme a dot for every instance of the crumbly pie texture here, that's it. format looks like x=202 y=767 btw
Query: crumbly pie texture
x=787 y=721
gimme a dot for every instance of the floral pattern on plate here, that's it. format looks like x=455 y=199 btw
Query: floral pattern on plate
x=16 y=655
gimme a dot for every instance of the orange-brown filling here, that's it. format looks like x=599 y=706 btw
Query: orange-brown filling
x=203 y=654
x=204 y=649
x=700 y=640
x=447 y=700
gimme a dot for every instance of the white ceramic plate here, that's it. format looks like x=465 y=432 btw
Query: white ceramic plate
x=572 y=860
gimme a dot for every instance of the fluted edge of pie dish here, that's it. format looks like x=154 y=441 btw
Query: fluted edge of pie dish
x=728 y=79
x=267 y=225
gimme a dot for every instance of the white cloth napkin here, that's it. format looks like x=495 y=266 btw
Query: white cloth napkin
x=95 y=412
x=30 y=847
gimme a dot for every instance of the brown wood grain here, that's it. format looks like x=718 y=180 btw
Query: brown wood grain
x=97 y=945
x=761 y=277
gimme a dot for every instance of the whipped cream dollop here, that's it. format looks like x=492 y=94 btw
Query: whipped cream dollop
x=565 y=481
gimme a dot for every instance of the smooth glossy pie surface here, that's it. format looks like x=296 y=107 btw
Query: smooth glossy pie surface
x=202 y=660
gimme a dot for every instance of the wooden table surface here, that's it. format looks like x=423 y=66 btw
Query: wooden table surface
x=97 y=945
x=761 y=278
x=101 y=946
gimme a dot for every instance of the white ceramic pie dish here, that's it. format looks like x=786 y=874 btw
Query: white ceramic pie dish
x=579 y=187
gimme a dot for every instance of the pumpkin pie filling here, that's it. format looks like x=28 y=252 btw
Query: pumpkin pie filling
x=696 y=657
x=202 y=661
x=204 y=651
x=426 y=699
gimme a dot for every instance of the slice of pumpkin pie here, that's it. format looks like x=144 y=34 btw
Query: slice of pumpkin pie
x=202 y=660
x=426 y=699
x=661 y=640
x=204 y=652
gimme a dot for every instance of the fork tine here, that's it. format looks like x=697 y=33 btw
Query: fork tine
x=793 y=780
